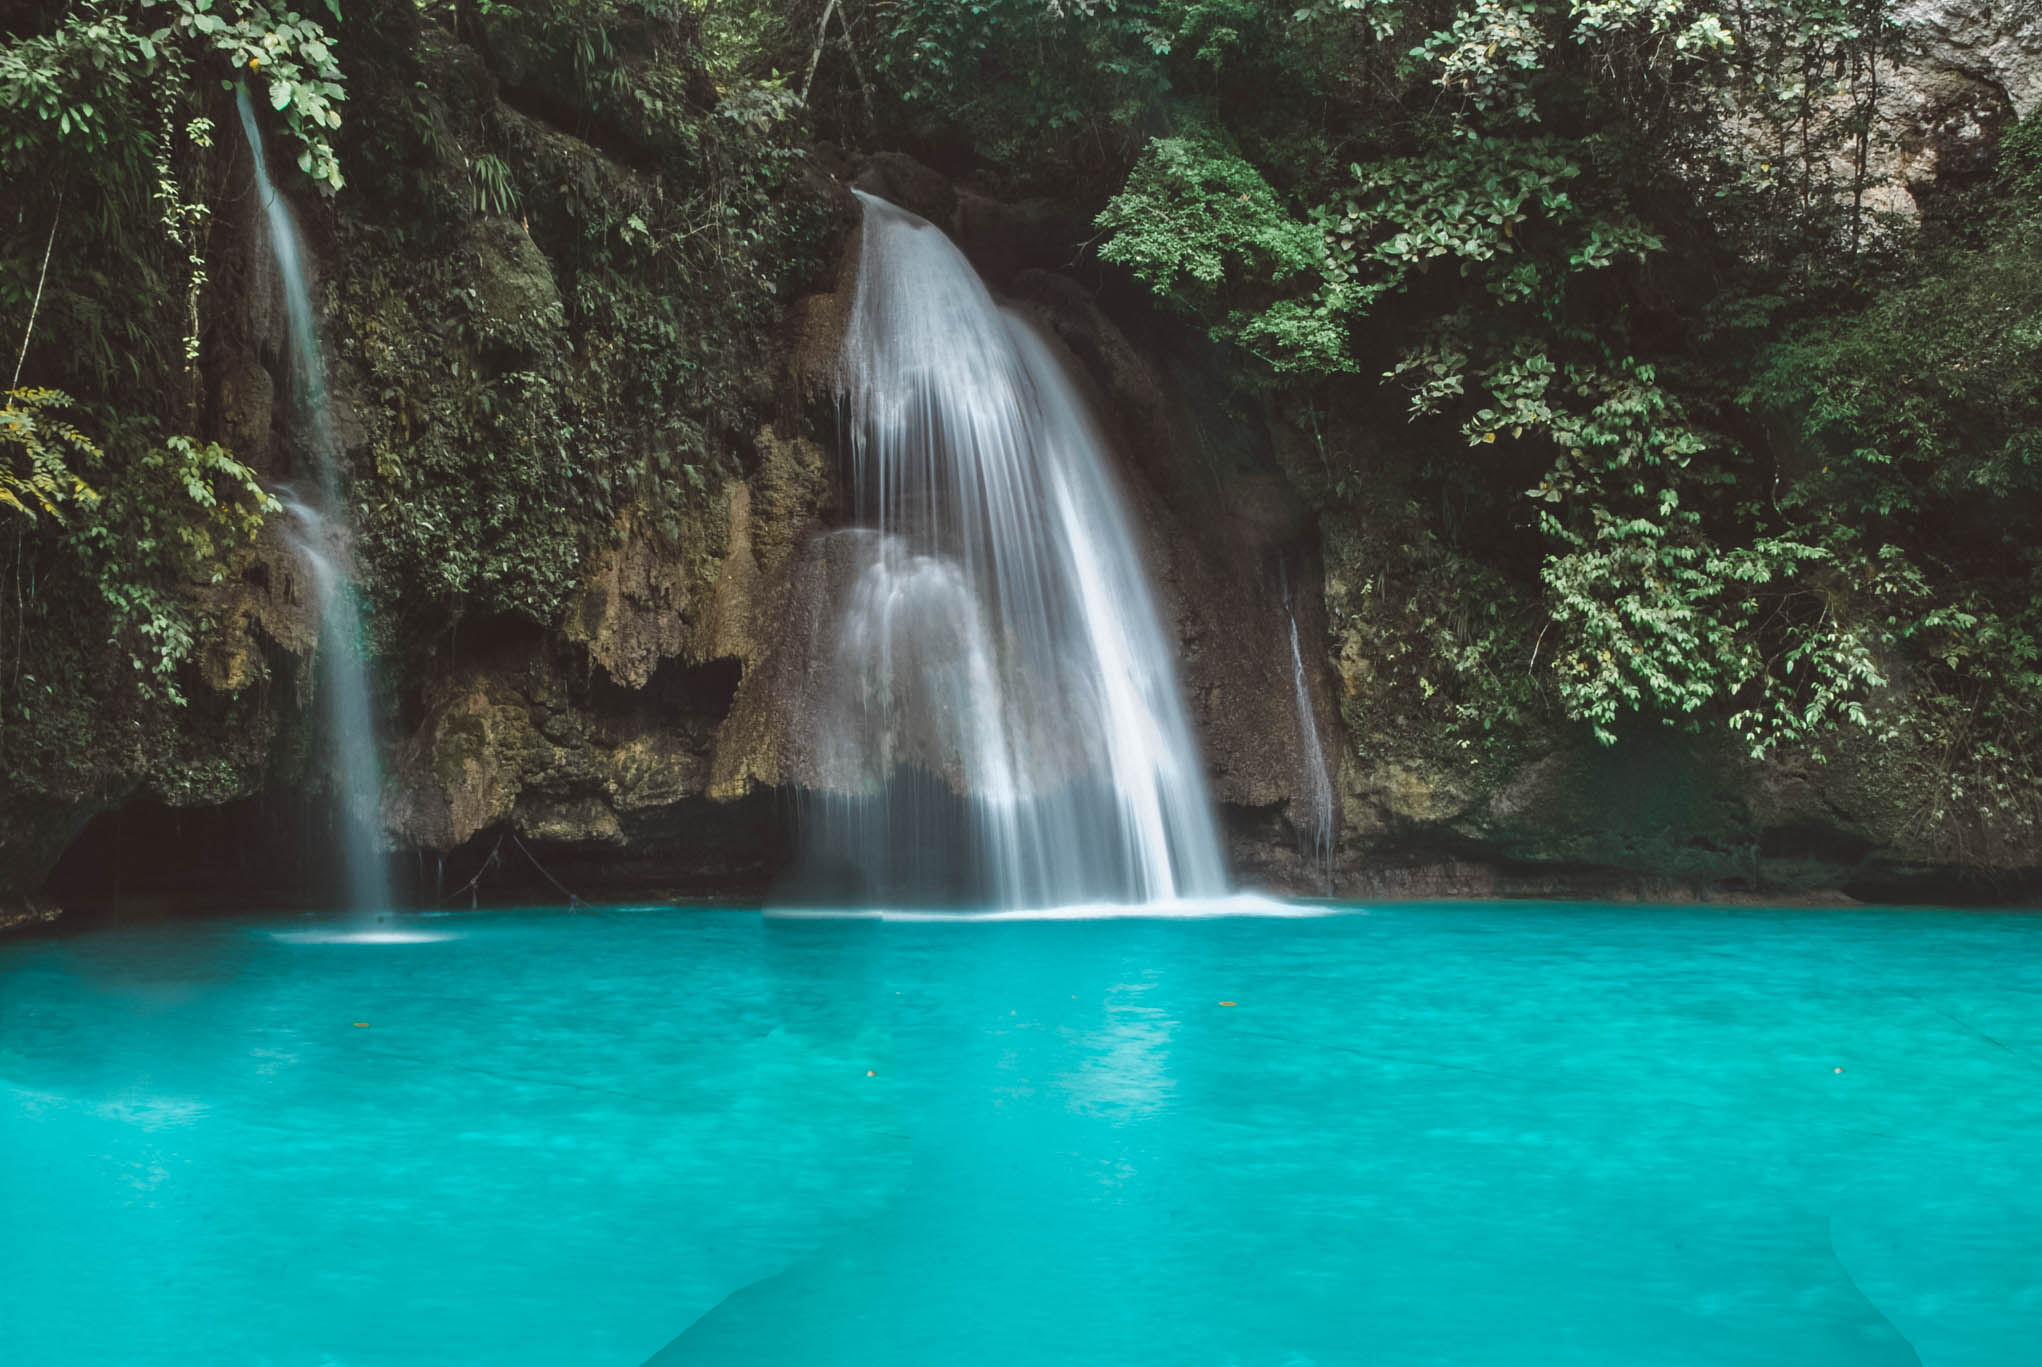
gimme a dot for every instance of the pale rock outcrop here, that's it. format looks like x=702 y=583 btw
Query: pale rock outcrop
x=1997 y=41
x=1961 y=74
x=517 y=737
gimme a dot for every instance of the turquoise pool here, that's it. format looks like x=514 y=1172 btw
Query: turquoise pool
x=1520 y=1134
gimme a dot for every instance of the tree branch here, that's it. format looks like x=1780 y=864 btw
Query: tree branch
x=822 y=36
x=36 y=307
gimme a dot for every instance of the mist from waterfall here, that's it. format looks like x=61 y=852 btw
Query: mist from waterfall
x=1008 y=726
x=319 y=536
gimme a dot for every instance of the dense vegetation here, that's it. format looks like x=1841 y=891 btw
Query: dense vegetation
x=1622 y=393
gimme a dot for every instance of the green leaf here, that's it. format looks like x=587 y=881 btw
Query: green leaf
x=279 y=94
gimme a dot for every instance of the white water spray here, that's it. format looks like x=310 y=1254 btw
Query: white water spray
x=1008 y=703
x=318 y=535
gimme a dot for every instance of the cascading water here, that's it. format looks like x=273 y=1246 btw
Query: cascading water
x=350 y=725
x=1009 y=726
x=318 y=535
x=1316 y=833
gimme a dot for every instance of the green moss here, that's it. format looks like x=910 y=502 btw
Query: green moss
x=462 y=739
x=1430 y=648
x=603 y=350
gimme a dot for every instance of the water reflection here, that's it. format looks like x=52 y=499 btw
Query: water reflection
x=1124 y=1063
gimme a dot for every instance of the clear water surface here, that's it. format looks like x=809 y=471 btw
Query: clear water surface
x=1421 y=1135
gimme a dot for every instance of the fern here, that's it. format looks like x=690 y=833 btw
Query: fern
x=495 y=191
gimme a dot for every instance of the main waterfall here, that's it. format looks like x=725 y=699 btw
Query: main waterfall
x=1008 y=726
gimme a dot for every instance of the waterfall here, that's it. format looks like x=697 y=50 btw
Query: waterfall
x=1316 y=839
x=1008 y=726
x=319 y=536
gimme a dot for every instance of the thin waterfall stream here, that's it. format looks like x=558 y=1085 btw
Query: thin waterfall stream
x=319 y=534
x=1008 y=726
x=1315 y=834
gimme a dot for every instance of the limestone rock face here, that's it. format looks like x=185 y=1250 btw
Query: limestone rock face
x=246 y=396
x=676 y=628
x=268 y=603
x=516 y=741
x=32 y=834
x=1939 y=128
x=515 y=285
x=906 y=182
x=1996 y=41
x=774 y=738
x=1964 y=73
x=646 y=599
